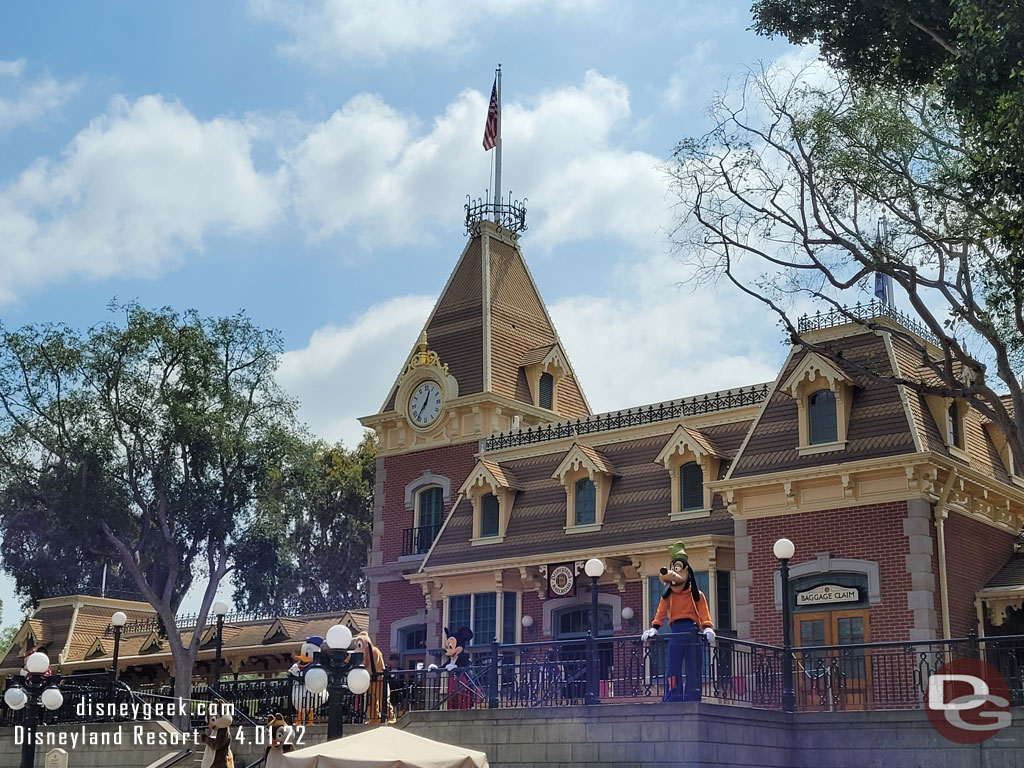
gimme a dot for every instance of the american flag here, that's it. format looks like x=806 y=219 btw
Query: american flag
x=491 y=127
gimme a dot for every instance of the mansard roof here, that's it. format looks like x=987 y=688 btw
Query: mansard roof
x=490 y=320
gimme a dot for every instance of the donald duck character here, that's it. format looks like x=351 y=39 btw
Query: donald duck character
x=305 y=703
x=686 y=608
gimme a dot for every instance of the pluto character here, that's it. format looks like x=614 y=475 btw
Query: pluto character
x=373 y=660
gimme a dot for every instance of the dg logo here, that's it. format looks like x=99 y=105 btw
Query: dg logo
x=968 y=701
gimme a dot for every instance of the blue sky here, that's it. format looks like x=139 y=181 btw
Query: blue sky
x=308 y=160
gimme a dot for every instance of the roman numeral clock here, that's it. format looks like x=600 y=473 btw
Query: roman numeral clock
x=426 y=391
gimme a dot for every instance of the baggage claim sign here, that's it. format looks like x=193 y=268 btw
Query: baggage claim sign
x=828 y=593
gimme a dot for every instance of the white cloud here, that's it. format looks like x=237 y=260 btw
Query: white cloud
x=33 y=99
x=354 y=29
x=653 y=341
x=345 y=372
x=690 y=84
x=370 y=168
x=132 y=191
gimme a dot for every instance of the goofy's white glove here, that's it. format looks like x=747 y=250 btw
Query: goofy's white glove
x=709 y=635
x=648 y=634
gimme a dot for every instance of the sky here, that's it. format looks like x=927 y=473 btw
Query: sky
x=307 y=161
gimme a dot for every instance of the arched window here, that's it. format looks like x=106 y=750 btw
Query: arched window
x=430 y=516
x=956 y=434
x=821 y=417
x=547 y=391
x=575 y=621
x=691 y=486
x=489 y=515
x=586 y=502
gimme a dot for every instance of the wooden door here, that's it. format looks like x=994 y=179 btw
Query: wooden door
x=832 y=679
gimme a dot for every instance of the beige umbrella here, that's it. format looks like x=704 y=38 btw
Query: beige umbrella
x=385 y=747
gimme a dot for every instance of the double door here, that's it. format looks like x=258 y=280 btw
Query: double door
x=832 y=679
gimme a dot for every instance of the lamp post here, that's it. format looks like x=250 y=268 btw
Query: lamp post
x=594 y=568
x=344 y=676
x=37 y=687
x=220 y=608
x=784 y=550
x=117 y=621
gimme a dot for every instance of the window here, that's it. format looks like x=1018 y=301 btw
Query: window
x=547 y=391
x=509 y=620
x=586 y=502
x=724 y=600
x=955 y=427
x=460 y=612
x=412 y=642
x=575 y=621
x=821 y=416
x=485 y=618
x=431 y=508
x=691 y=483
x=489 y=515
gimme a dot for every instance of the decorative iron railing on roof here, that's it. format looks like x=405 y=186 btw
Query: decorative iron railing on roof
x=510 y=216
x=283 y=610
x=868 y=311
x=632 y=417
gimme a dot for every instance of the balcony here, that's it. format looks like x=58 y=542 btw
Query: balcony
x=417 y=541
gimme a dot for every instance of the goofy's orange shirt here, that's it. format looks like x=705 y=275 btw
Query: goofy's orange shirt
x=681 y=605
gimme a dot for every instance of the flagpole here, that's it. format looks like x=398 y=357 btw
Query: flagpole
x=497 y=157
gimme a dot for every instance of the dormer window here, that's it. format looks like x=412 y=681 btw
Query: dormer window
x=954 y=426
x=489 y=516
x=690 y=458
x=585 y=501
x=547 y=391
x=949 y=414
x=691 y=485
x=821 y=417
x=491 y=489
x=824 y=397
x=586 y=474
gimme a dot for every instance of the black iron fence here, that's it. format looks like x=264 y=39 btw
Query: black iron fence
x=866 y=311
x=417 y=541
x=868 y=676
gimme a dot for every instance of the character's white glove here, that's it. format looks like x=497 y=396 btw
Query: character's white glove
x=451 y=666
x=648 y=634
x=709 y=635
x=432 y=667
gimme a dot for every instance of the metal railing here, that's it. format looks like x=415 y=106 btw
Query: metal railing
x=631 y=417
x=866 y=676
x=866 y=311
x=417 y=541
x=510 y=216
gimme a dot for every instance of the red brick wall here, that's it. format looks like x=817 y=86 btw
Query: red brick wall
x=870 y=532
x=398 y=599
x=452 y=461
x=974 y=552
x=633 y=597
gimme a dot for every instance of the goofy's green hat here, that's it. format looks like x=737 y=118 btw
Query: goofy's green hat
x=678 y=552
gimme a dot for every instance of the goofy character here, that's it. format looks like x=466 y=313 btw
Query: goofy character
x=373 y=660
x=687 y=611
x=305 y=703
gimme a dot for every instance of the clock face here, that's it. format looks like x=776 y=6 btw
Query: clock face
x=425 y=404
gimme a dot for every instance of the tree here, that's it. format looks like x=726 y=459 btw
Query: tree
x=144 y=442
x=971 y=52
x=808 y=184
x=319 y=502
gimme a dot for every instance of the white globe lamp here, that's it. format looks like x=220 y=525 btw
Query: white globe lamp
x=52 y=698
x=784 y=549
x=316 y=680
x=119 y=619
x=15 y=698
x=339 y=637
x=594 y=568
x=37 y=663
x=359 y=680
x=527 y=621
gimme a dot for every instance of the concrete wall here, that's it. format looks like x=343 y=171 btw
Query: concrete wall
x=643 y=735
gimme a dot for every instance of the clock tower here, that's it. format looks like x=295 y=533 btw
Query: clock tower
x=488 y=360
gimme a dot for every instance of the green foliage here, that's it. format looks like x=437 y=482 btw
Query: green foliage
x=971 y=52
x=313 y=531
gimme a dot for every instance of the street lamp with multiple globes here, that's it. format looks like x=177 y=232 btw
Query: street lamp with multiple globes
x=36 y=688
x=594 y=568
x=220 y=609
x=784 y=550
x=344 y=675
x=117 y=621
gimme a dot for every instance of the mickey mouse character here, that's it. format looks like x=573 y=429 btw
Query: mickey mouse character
x=279 y=742
x=687 y=609
x=459 y=696
x=218 y=740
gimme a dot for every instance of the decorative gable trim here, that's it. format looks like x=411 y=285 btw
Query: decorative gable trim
x=685 y=446
x=685 y=441
x=486 y=478
x=96 y=649
x=277 y=633
x=1002 y=446
x=209 y=636
x=151 y=644
x=583 y=457
x=812 y=372
x=550 y=359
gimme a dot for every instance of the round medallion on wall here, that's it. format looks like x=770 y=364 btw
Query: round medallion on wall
x=425 y=404
x=561 y=580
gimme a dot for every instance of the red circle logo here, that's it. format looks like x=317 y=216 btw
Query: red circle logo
x=968 y=701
